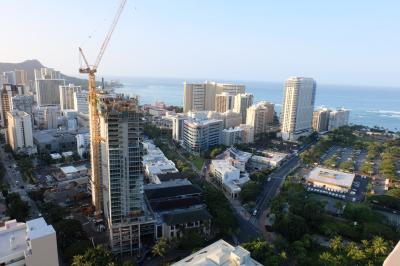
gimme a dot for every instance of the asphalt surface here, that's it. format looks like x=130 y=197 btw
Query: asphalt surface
x=17 y=184
x=271 y=187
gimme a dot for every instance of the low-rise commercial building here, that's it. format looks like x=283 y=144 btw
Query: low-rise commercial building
x=155 y=162
x=219 y=253
x=331 y=179
x=228 y=176
x=268 y=160
x=53 y=140
x=33 y=243
x=177 y=205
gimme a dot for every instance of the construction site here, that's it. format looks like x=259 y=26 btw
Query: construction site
x=116 y=128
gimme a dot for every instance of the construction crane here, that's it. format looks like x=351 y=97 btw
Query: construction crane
x=95 y=138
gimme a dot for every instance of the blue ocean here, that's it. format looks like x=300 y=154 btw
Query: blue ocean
x=370 y=106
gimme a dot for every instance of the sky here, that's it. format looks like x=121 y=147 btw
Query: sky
x=336 y=42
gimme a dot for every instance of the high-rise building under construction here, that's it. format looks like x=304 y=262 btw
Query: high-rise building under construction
x=121 y=128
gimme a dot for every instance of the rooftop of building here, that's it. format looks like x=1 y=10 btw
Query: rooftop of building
x=239 y=155
x=70 y=169
x=223 y=166
x=177 y=203
x=203 y=122
x=172 y=176
x=170 y=189
x=186 y=216
x=219 y=253
x=12 y=230
x=332 y=177
x=38 y=228
x=49 y=135
x=232 y=129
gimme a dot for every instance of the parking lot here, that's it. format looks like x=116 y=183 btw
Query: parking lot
x=340 y=155
x=356 y=193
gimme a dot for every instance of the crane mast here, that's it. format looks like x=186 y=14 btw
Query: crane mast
x=95 y=138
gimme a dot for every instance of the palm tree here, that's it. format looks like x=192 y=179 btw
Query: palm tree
x=160 y=248
x=379 y=246
x=336 y=243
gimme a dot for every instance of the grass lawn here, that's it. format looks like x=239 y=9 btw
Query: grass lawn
x=197 y=161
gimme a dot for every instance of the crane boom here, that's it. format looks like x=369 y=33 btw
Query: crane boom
x=109 y=34
x=95 y=138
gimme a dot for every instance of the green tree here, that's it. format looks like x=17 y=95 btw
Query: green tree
x=160 y=248
x=98 y=256
x=16 y=207
x=69 y=231
x=250 y=191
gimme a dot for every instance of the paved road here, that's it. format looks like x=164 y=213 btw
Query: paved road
x=16 y=182
x=271 y=187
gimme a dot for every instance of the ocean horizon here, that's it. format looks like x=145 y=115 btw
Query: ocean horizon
x=369 y=105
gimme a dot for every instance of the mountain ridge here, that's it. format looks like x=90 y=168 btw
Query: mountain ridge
x=31 y=64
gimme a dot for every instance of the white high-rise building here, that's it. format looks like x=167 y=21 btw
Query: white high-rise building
x=67 y=96
x=261 y=116
x=338 y=118
x=33 y=243
x=128 y=219
x=177 y=126
x=47 y=116
x=224 y=102
x=201 y=96
x=7 y=92
x=298 y=107
x=242 y=102
x=200 y=135
x=19 y=132
x=232 y=136
x=81 y=104
x=83 y=144
x=9 y=77
x=47 y=83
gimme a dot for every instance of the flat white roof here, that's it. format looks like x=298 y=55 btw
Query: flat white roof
x=218 y=253
x=223 y=166
x=55 y=156
x=331 y=177
x=69 y=169
x=18 y=232
x=38 y=228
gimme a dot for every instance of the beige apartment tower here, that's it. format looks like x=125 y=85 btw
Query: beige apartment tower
x=298 y=107
x=19 y=132
x=67 y=96
x=224 y=102
x=201 y=96
x=320 y=120
x=242 y=102
x=261 y=117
